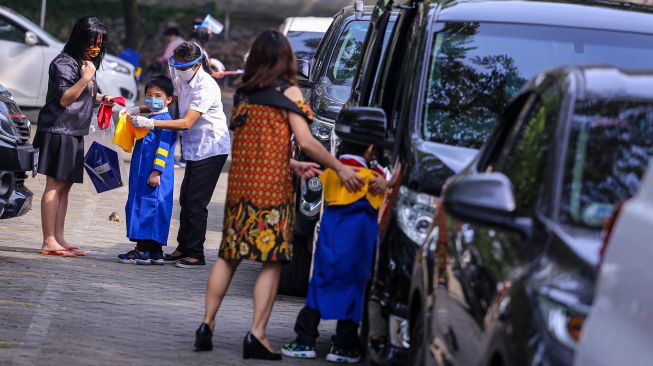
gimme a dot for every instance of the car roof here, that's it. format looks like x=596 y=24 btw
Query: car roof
x=597 y=82
x=602 y=15
x=350 y=11
x=605 y=82
x=309 y=24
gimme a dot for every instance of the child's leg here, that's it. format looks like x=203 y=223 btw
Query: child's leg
x=62 y=209
x=143 y=245
x=49 y=208
x=306 y=325
x=347 y=335
x=155 y=247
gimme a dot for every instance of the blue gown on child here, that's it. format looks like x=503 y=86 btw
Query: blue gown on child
x=343 y=260
x=149 y=209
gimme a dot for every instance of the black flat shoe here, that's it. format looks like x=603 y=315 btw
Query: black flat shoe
x=203 y=337
x=253 y=348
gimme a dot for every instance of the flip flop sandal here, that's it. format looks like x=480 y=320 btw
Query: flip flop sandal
x=57 y=252
x=76 y=251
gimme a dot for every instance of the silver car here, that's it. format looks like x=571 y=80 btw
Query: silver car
x=26 y=51
x=619 y=329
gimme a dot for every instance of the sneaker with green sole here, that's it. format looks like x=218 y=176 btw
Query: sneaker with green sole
x=296 y=350
x=343 y=355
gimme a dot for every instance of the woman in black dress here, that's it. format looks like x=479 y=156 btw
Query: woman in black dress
x=62 y=124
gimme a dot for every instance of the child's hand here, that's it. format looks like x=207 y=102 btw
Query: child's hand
x=155 y=179
x=378 y=185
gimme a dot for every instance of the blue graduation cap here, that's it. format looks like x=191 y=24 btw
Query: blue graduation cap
x=102 y=165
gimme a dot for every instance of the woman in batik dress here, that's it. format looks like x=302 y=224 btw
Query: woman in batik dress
x=268 y=109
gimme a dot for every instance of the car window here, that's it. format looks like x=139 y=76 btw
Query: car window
x=9 y=32
x=344 y=60
x=476 y=69
x=523 y=156
x=304 y=44
x=610 y=145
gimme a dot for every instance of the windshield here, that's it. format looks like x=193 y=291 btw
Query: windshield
x=475 y=70
x=344 y=60
x=304 y=44
x=610 y=145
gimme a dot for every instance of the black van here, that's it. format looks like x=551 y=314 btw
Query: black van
x=517 y=265
x=326 y=83
x=17 y=158
x=450 y=70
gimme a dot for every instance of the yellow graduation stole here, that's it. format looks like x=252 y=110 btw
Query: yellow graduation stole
x=126 y=133
x=336 y=194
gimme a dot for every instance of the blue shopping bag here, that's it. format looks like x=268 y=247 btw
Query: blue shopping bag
x=102 y=165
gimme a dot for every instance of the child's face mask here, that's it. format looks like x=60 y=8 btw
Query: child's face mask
x=155 y=104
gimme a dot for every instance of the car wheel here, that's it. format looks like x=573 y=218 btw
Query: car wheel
x=294 y=275
x=417 y=337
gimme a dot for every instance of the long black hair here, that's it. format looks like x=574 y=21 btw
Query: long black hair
x=86 y=32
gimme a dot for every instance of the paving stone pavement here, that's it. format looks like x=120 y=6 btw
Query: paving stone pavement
x=94 y=311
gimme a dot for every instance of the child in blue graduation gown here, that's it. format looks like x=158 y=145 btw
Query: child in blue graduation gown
x=342 y=261
x=151 y=181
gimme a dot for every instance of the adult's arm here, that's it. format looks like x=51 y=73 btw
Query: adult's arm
x=184 y=123
x=314 y=148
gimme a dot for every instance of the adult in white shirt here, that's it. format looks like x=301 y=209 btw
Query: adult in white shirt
x=206 y=145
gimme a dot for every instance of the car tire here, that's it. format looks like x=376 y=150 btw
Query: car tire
x=294 y=275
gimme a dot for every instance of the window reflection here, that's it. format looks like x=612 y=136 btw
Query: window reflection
x=610 y=145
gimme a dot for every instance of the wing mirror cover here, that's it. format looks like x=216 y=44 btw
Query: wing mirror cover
x=485 y=199
x=31 y=39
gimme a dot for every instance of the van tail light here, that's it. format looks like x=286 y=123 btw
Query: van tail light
x=606 y=234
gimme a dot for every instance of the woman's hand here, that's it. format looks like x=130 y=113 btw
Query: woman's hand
x=88 y=70
x=349 y=178
x=154 y=179
x=378 y=184
x=304 y=169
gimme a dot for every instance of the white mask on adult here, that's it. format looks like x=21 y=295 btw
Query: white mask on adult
x=186 y=75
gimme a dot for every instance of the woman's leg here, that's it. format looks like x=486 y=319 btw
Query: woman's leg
x=49 y=208
x=62 y=209
x=265 y=292
x=219 y=280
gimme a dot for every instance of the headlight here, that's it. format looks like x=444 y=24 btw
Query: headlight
x=118 y=67
x=321 y=130
x=8 y=130
x=562 y=322
x=415 y=213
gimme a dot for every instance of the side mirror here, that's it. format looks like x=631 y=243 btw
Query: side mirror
x=303 y=69
x=363 y=125
x=485 y=199
x=31 y=39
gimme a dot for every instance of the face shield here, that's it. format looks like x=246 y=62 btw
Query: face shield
x=182 y=71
